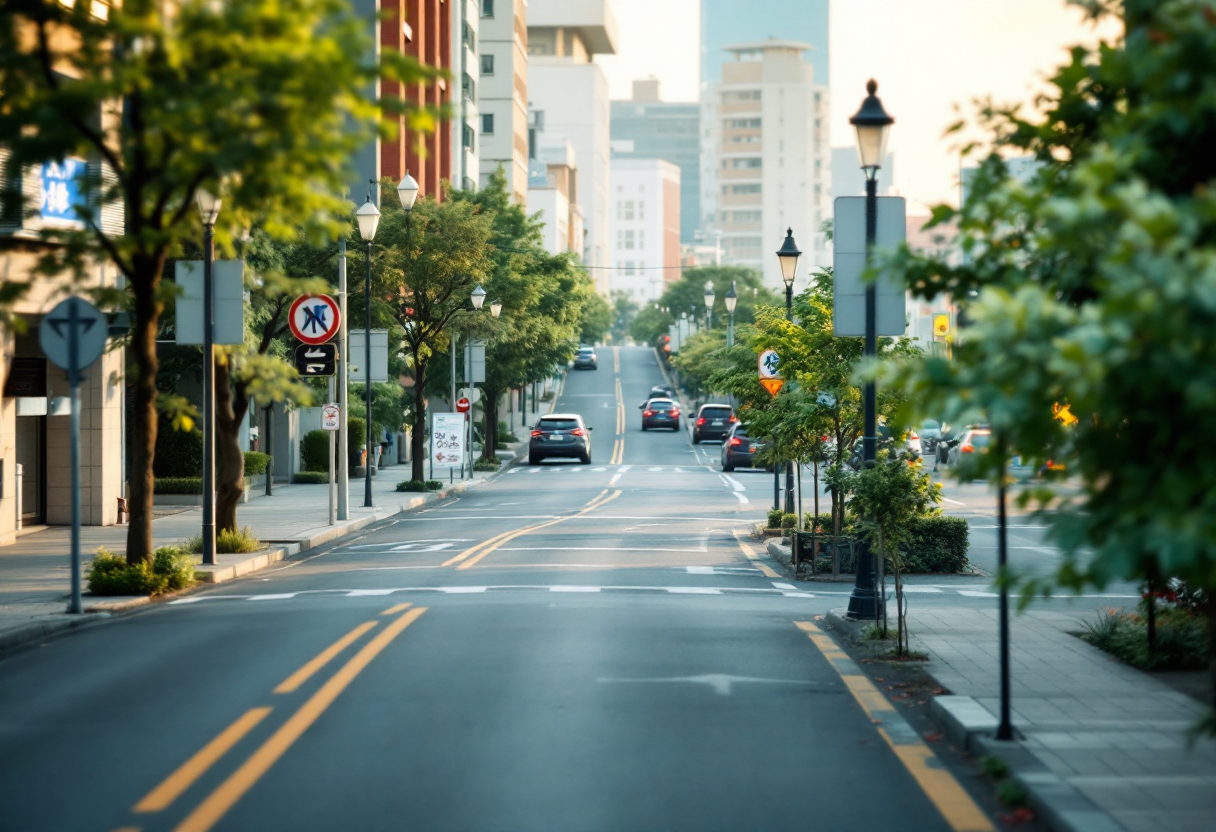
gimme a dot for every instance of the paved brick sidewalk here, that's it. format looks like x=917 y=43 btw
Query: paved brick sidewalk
x=1111 y=739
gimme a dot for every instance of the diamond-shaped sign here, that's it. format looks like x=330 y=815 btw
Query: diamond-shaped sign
x=772 y=385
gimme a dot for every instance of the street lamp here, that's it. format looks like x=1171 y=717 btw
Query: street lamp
x=209 y=211
x=873 y=126
x=787 y=257
x=368 y=217
x=496 y=308
x=709 y=305
x=407 y=192
x=731 y=300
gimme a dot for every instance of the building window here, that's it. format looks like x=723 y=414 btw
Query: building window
x=745 y=123
x=641 y=210
x=627 y=209
x=740 y=189
x=629 y=267
x=487 y=124
x=470 y=138
x=641 y=239
x=624 y=240
x=487 y=64
x=469 y=87
x=487 y=8
x=470 y=37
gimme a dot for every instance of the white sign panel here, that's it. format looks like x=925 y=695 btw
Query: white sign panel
x=769 y=364
x=228 y=283
x=356 y=345
x=475 y=363
x=849 y=264
x=447 y=440
x=331 y=416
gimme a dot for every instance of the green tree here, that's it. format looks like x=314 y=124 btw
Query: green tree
x=624 y=309
x=596 y=320
x=688 y=295
x=1095 y=284
x=262 y=101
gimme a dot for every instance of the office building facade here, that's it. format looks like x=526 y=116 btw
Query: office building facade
x=646 y=227
x=502 y=97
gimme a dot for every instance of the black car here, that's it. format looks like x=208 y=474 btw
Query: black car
x=560 y=434
x=663 y=391
x=660 y=413
x=737 y=449
x=931 y=432
x=585 y=359
x=714 y=421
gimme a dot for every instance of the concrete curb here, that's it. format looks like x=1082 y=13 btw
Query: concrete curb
x=971 y=726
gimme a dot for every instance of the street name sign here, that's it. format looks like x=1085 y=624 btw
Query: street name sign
x=313 y=361
x=849 y=265
x=314 y=319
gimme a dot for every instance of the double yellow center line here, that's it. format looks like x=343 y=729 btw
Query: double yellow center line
x=216 y=805
x=618 y=446
x=473 y=555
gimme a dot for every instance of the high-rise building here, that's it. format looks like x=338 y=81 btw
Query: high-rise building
x=725 y=22
x=646 y=226
x=765 y=156
x=502 y=96
x=553 y=191
x=570 y=94
x=466 y=71
x=646 y=127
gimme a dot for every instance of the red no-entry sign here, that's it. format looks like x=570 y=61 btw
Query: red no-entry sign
x=314 y=319
x=462 y=405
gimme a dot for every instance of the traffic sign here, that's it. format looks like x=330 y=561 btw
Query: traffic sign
x=314 y=319
x=941 y=325
x=313 y=361
x=772 y=385
x=473 y=394
x=73 y=324
x=331 y=416
x=462 y=405
x=768 y=364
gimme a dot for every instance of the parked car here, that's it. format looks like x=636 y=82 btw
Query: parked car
x=585 y=359
x=714 y=421
x=930 y=433
x=663 y=391
x=737 y=449
x=973 y=440
x=560 y=435
x=660 y=413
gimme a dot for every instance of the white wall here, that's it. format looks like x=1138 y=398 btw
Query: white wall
x=638 y=210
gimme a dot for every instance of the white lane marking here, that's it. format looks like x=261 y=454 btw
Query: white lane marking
x=460 y=590
x=534 y=470
x=678 y=470
x=734 y=483
x=720 y=570
x=356 y=593
x=612 y=481
x=742 y=499
x=624 y=468
x=393 y=568
x=719 y=682
x=655 y=468
x=956 y=502
x=783 y=586
x=513 y=470
x=599 y=469
x=592 y=549
x=971 y=593
x=788 y=594
x=692 y=590
x=274 y=596
x=921 y=589
x=574 y=589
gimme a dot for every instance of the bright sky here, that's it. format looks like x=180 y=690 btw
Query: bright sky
x=928 y=56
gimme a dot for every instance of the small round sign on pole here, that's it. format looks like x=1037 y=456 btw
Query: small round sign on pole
x=768 y=364
x=331 y=416
x=462 y=405
x=314 y=319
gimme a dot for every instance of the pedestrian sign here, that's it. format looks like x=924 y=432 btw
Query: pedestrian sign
x=769 y=363
x=314 y=319
x=331 y=416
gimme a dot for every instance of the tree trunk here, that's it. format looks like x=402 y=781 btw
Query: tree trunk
x=230 y=411
x=1210 y=593
x=489 y=450
x=418 y=431
x=146 y=283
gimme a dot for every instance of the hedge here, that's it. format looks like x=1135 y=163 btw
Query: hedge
x=177 y=485
x=311 y=477
x=256 y=463
x=356 y=429
x=170 y=569
x=179 y=453
x=939 y=544
x=314 y=451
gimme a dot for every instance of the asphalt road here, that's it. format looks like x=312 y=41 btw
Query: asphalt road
x=571 y=647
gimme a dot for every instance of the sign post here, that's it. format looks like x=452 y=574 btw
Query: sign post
x=447 y=440
x=73 y=336
x=768 y=366
x=331 y=421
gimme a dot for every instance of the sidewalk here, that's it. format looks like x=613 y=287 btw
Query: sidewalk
x=1103 y=746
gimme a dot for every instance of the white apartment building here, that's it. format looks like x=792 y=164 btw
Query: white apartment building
x=502 y=97
x=569 y=95
x=553 y=193
x=466 y=70
x=646 y=227
x=766 y=162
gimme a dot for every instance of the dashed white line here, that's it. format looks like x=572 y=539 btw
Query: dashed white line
x=742 y=499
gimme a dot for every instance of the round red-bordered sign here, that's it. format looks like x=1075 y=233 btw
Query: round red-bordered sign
x=462 y=405
x=314 y=319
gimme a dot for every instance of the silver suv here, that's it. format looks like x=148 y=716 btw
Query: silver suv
x=560 y=434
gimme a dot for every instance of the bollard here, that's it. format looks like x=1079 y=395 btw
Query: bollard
x=123 y=513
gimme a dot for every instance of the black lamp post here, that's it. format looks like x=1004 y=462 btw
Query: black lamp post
x=788 y=256
x=730 y=299
x=873 y=126
x=209 y=209
x=368 y=217
x=709 y=305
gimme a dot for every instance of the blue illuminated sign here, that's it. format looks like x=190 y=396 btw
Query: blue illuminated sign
x=62 y=189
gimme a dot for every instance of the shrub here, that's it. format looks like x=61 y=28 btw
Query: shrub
x=256 y=463
x=314 y=451
x=411 y=485
x=824 y=522
x=505 y=435
x=179 y=453
x=938 y=545
x=1182 y=639
x=789 y=520
x=486 y=465
x=110 y=574
x=311 y=478
x=177 y=485
x=434 y=485
x=775 y=516
x=357 y=431
x=227 y=542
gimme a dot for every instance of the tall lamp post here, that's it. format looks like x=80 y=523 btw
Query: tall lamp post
x=209 y=209
x=873 y=126
x=709 y=305
x=368 y=217
x=479 y=298
x=788 y=256
x=731 y=300
x=407 y=193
